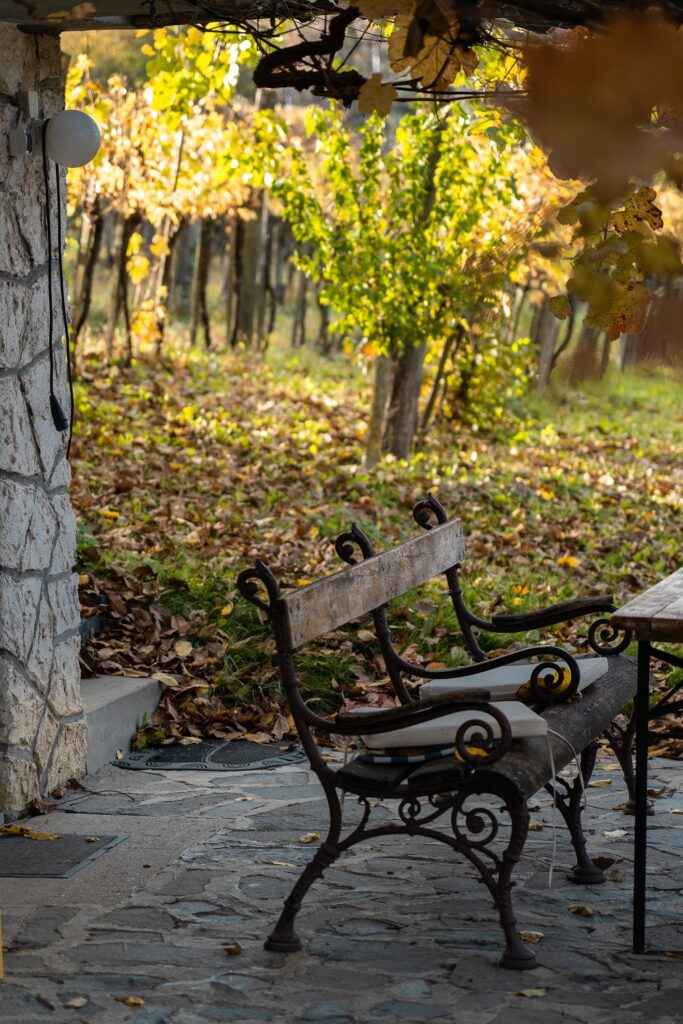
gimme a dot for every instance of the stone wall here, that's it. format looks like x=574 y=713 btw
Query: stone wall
x=42 y=731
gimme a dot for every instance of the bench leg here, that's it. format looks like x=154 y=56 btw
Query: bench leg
x=283 y=938
x=473 y=830
x=568 y=799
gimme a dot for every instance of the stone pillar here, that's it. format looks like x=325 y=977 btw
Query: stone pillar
x=42 y=730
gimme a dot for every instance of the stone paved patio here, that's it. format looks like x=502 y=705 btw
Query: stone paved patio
x=395 y=931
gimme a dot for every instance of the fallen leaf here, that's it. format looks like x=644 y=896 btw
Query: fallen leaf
x=25 y=833
x=232 y=949
x=676 y=810
x=183 y=648
x=132 y=1001
x=603 y=862
x=615 y=833
x=92 y=839
x=581 y=909
x=530 y=993
x=599 y=783
x=165 y=678
x=281 y=863
x=310 y=837
x=531 y=936
x=76 y=1003
x=535 y=826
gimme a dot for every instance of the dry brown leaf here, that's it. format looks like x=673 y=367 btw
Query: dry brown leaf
x=76 y=1003
x=376 y=97
x=309 y=837
x=183 y=648
x=232 y=949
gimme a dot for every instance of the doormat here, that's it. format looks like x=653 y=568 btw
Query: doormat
x=51 y=858
x=233 y=756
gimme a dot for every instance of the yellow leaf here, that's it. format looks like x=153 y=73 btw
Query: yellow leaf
x=544 y=493
x=531 y=936
x=376 y=97
x=309 y=837
x=600 y=783
x=369 y=350
x=134 y=243
x=581 y=909
x=133 y=1001
x=530 y=993
x=569 y=562
x=535 y=826
x=91 y=839
x=84 y=579
x=183 y=648
x=25 y=833
x=160 y=246
x=226 y=609
x=148 y=50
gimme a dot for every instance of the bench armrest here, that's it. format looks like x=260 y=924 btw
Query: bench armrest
x=551 y=616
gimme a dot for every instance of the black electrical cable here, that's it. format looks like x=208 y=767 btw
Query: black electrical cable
x=58 y=418
x=60 y=252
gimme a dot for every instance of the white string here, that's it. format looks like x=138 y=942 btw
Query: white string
x=553 y=813
x=584 y=795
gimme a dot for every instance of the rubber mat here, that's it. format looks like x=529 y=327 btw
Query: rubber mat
x=234 y=756
x=51 y=858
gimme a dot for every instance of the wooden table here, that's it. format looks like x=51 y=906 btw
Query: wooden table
x=655 y=616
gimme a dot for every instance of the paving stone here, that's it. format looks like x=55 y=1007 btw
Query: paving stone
x=330 y=1013
x=393 y=1009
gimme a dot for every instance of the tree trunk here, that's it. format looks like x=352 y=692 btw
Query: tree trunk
x=584 y=364
x=547 y=333
x=566 y=339
x=452 y=344
x=628 y=351
x=380 y=396
x=82 y=307
x=125 y=229
x=324 y=331
x=202 y=262
x=246 y=263
x=605 y=353
x=405 y=394
x=300 y=306
x=264 y=288
x=183 y=263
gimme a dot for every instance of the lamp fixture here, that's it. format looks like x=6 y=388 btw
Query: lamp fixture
x=71 y=138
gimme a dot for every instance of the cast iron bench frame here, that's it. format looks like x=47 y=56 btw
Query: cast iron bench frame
x=511 y=771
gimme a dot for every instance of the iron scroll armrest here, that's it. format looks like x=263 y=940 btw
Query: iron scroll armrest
x=551 y=616
x=474 y=741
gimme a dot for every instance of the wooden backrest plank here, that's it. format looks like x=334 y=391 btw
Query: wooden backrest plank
x=353 y=592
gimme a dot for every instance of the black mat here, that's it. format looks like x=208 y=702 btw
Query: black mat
x=234 y=756
x=51 y=858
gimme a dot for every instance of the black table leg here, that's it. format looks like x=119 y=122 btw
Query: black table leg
x=640 y=847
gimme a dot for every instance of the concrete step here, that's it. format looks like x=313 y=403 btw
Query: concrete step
x=114 y=706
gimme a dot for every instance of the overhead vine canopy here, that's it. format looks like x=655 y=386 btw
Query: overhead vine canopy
x=306 y=43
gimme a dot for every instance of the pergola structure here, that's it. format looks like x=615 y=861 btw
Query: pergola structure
x=42 y=730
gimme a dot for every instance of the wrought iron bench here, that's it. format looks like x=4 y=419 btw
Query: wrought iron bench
x=497 y=750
